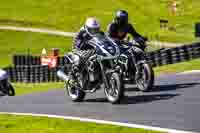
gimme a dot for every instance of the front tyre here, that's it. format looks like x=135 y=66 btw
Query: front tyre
x=144 y=77
x=115 y=91
x=75 y=92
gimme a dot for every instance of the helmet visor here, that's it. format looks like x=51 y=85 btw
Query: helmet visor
x=93 y=30
x=122 y=20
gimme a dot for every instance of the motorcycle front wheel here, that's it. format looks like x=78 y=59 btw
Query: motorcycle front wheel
x=114 y=92
x=144 y=77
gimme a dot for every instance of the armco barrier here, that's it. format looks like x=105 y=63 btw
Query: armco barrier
x=28 y=68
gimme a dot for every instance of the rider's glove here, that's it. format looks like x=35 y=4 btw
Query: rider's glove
x=142 y=42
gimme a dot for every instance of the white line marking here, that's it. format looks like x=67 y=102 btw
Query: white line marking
x=71 y=34
x=101 y=122
x=189 y=72
x=166 y=44
x=38 y=30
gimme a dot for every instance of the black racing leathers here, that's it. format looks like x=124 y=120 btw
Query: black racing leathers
x=119 y=32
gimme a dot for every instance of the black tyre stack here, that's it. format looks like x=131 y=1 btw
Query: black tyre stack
x=28 y=68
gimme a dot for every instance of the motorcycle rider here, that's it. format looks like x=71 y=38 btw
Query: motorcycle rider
x=82 y=48
x=91 y=27
x=120 y=26
x=118 y=29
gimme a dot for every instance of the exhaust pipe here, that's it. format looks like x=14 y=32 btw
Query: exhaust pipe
x=62 y=75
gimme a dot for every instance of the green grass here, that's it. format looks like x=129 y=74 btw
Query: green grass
x=179 y=67
x=35 y=42
x=13 y=42
x=28 y=124
x=24 y=88
x=69 y=15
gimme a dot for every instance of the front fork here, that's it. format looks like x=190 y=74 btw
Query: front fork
x=139 y=71
x=105 y=73
x=137 y=62
x=105 y=81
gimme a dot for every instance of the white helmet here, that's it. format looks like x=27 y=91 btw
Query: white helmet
x=92 y=25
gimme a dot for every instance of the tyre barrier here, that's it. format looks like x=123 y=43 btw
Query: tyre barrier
x=32 y=74
x=29 y=69
x=174 y=55
x=25 y=60
x=19 y=60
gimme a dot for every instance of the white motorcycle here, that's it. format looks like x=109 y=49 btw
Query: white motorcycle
x=5 y=86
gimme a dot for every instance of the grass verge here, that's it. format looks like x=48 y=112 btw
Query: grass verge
x=179 y=67
x=35 y=42
x=23 y=88
x=69 y=15
x=15 y=42
x=28 y=124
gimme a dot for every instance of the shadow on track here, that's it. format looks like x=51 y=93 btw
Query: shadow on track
x=2 y=94
x=159 y=88
x=137 y=99
x=169 y=87
x=147 y=98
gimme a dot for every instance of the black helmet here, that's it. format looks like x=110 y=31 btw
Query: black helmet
x=121 y=17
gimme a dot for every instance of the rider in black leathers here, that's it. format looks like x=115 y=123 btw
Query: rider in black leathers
x=119 y=28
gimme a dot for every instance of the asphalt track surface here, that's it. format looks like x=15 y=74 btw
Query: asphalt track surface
x=174 y=103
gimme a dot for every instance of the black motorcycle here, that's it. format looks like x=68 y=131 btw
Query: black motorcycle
x=137 y=70
x=102 y=69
